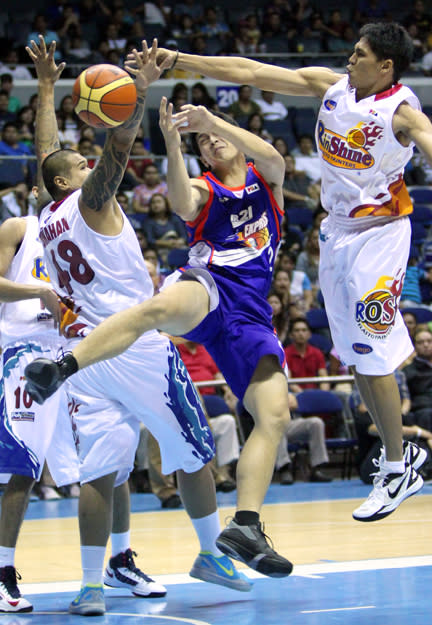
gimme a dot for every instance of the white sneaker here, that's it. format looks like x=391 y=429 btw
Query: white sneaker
x=389 y=491
x=121 y=572
x=10 y=596
x=412 y=454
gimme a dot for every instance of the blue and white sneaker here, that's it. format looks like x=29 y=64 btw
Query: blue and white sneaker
x=219 y=570
x=122 y=572
x=90 y=601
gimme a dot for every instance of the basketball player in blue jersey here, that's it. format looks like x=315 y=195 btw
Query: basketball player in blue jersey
x=233 y=215
x=368 y=123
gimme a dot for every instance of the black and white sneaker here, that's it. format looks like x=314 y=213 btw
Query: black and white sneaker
x=121 y=572
x=412 y=454
x=248 y=543
x=389 y=491
x=10 y=596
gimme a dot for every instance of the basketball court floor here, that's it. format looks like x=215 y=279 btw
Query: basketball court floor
x=345 y=572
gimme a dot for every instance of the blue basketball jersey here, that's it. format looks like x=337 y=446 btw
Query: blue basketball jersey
x=238 y=231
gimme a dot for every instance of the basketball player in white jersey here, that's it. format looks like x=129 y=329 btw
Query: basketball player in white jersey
x=367 y=126
x=95 y=262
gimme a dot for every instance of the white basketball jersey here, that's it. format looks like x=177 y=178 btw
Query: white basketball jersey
x=97 y=274
x=26 y=318
x=362 y=162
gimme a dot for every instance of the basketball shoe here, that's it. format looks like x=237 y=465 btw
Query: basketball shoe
x=90 y=601
x=389 y=491
x=219 y=570
x=121 y=572
x=10 y=596
x=412 y=454
x=248 y=543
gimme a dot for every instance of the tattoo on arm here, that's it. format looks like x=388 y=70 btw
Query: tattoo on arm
x=104 y=180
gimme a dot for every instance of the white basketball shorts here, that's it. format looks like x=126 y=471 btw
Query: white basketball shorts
x=30 y=433
x=147 y=383
x=361 y=276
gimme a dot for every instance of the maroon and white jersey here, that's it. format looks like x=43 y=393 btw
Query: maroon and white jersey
x=96 y=274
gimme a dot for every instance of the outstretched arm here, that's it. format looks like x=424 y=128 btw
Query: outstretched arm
x=103 y=181
x=416 y=126
x=309 y=81
x=46 y=130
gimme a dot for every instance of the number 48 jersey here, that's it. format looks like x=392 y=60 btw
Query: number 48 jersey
x=97 y=275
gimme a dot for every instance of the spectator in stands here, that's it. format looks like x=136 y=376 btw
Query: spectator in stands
x=244 y=106
x=271 y=109
x=281 y=285
x=5 y=115
x=10 y=65
x=371 y=11
x=13 y=171
x=298 y=187
x=300 y=287
x=90 y=150
x=191 y=162
x=164 y=230
x=255 y=125
x=68 y=121
x=280 y=316
x=14 y=202
x=426 y=61
x=307 y=159
x=143 y=192
x=304 y=360
x=40 y=27
x=194 y=8
x=308 y=259
x=6 y=84
x=245 y=43
x=421 y=18
x=213 y=26
x=419 y=379
x=201 y=97
x=25 y=122
x=281 y=146
x=140 y=158
x=116 y=41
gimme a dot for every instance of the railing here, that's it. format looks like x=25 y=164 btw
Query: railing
x=318 y=380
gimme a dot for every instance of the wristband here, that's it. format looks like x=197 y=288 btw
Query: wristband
x=175 y=60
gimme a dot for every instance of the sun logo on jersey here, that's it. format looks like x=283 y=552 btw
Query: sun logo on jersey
x=352 y=151
x=39 y=270
x=375 y=312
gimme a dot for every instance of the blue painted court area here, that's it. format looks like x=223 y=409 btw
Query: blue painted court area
x=326 y=594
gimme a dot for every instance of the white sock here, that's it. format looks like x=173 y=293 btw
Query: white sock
x=208 y=529
x=120 y=542
x=7 y=556
x=394 y=467
x=92 y=561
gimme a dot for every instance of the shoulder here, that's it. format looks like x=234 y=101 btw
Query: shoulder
x=12 y=230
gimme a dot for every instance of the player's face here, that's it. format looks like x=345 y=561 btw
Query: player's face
x=215 y=150
x=79 y=170
x=364 y=69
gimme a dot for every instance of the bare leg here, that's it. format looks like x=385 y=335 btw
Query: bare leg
x=382 y=399
x=198 y=492
x=13 y=507
x=266 y=399
x=121 y=508
x=96 y=510
x=177 y=310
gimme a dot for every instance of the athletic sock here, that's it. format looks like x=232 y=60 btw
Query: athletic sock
x=208 y=529
x=246 y=517
x=7 y=556
x=92 y=560
x=120 y=542
x=394 y=467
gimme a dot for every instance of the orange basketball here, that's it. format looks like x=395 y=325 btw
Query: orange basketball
x=104 y=96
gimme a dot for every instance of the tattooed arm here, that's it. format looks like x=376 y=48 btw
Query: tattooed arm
x=102 y=183
x=46 y=130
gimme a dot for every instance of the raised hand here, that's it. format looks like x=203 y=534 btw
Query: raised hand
x=46 y=67
x=144 y=67
x=169 y=124
x=192 y=118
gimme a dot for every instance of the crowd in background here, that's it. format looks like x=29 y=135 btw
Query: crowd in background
x=95 y=31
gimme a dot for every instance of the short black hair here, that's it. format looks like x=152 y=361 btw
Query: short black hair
x=296 y=320
x=194 y=135
x=56 y=164
x=389 y=40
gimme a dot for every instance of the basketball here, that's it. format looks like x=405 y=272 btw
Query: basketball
x=104 y=96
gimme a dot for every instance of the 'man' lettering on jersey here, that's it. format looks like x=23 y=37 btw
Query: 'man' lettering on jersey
x=52 y=231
